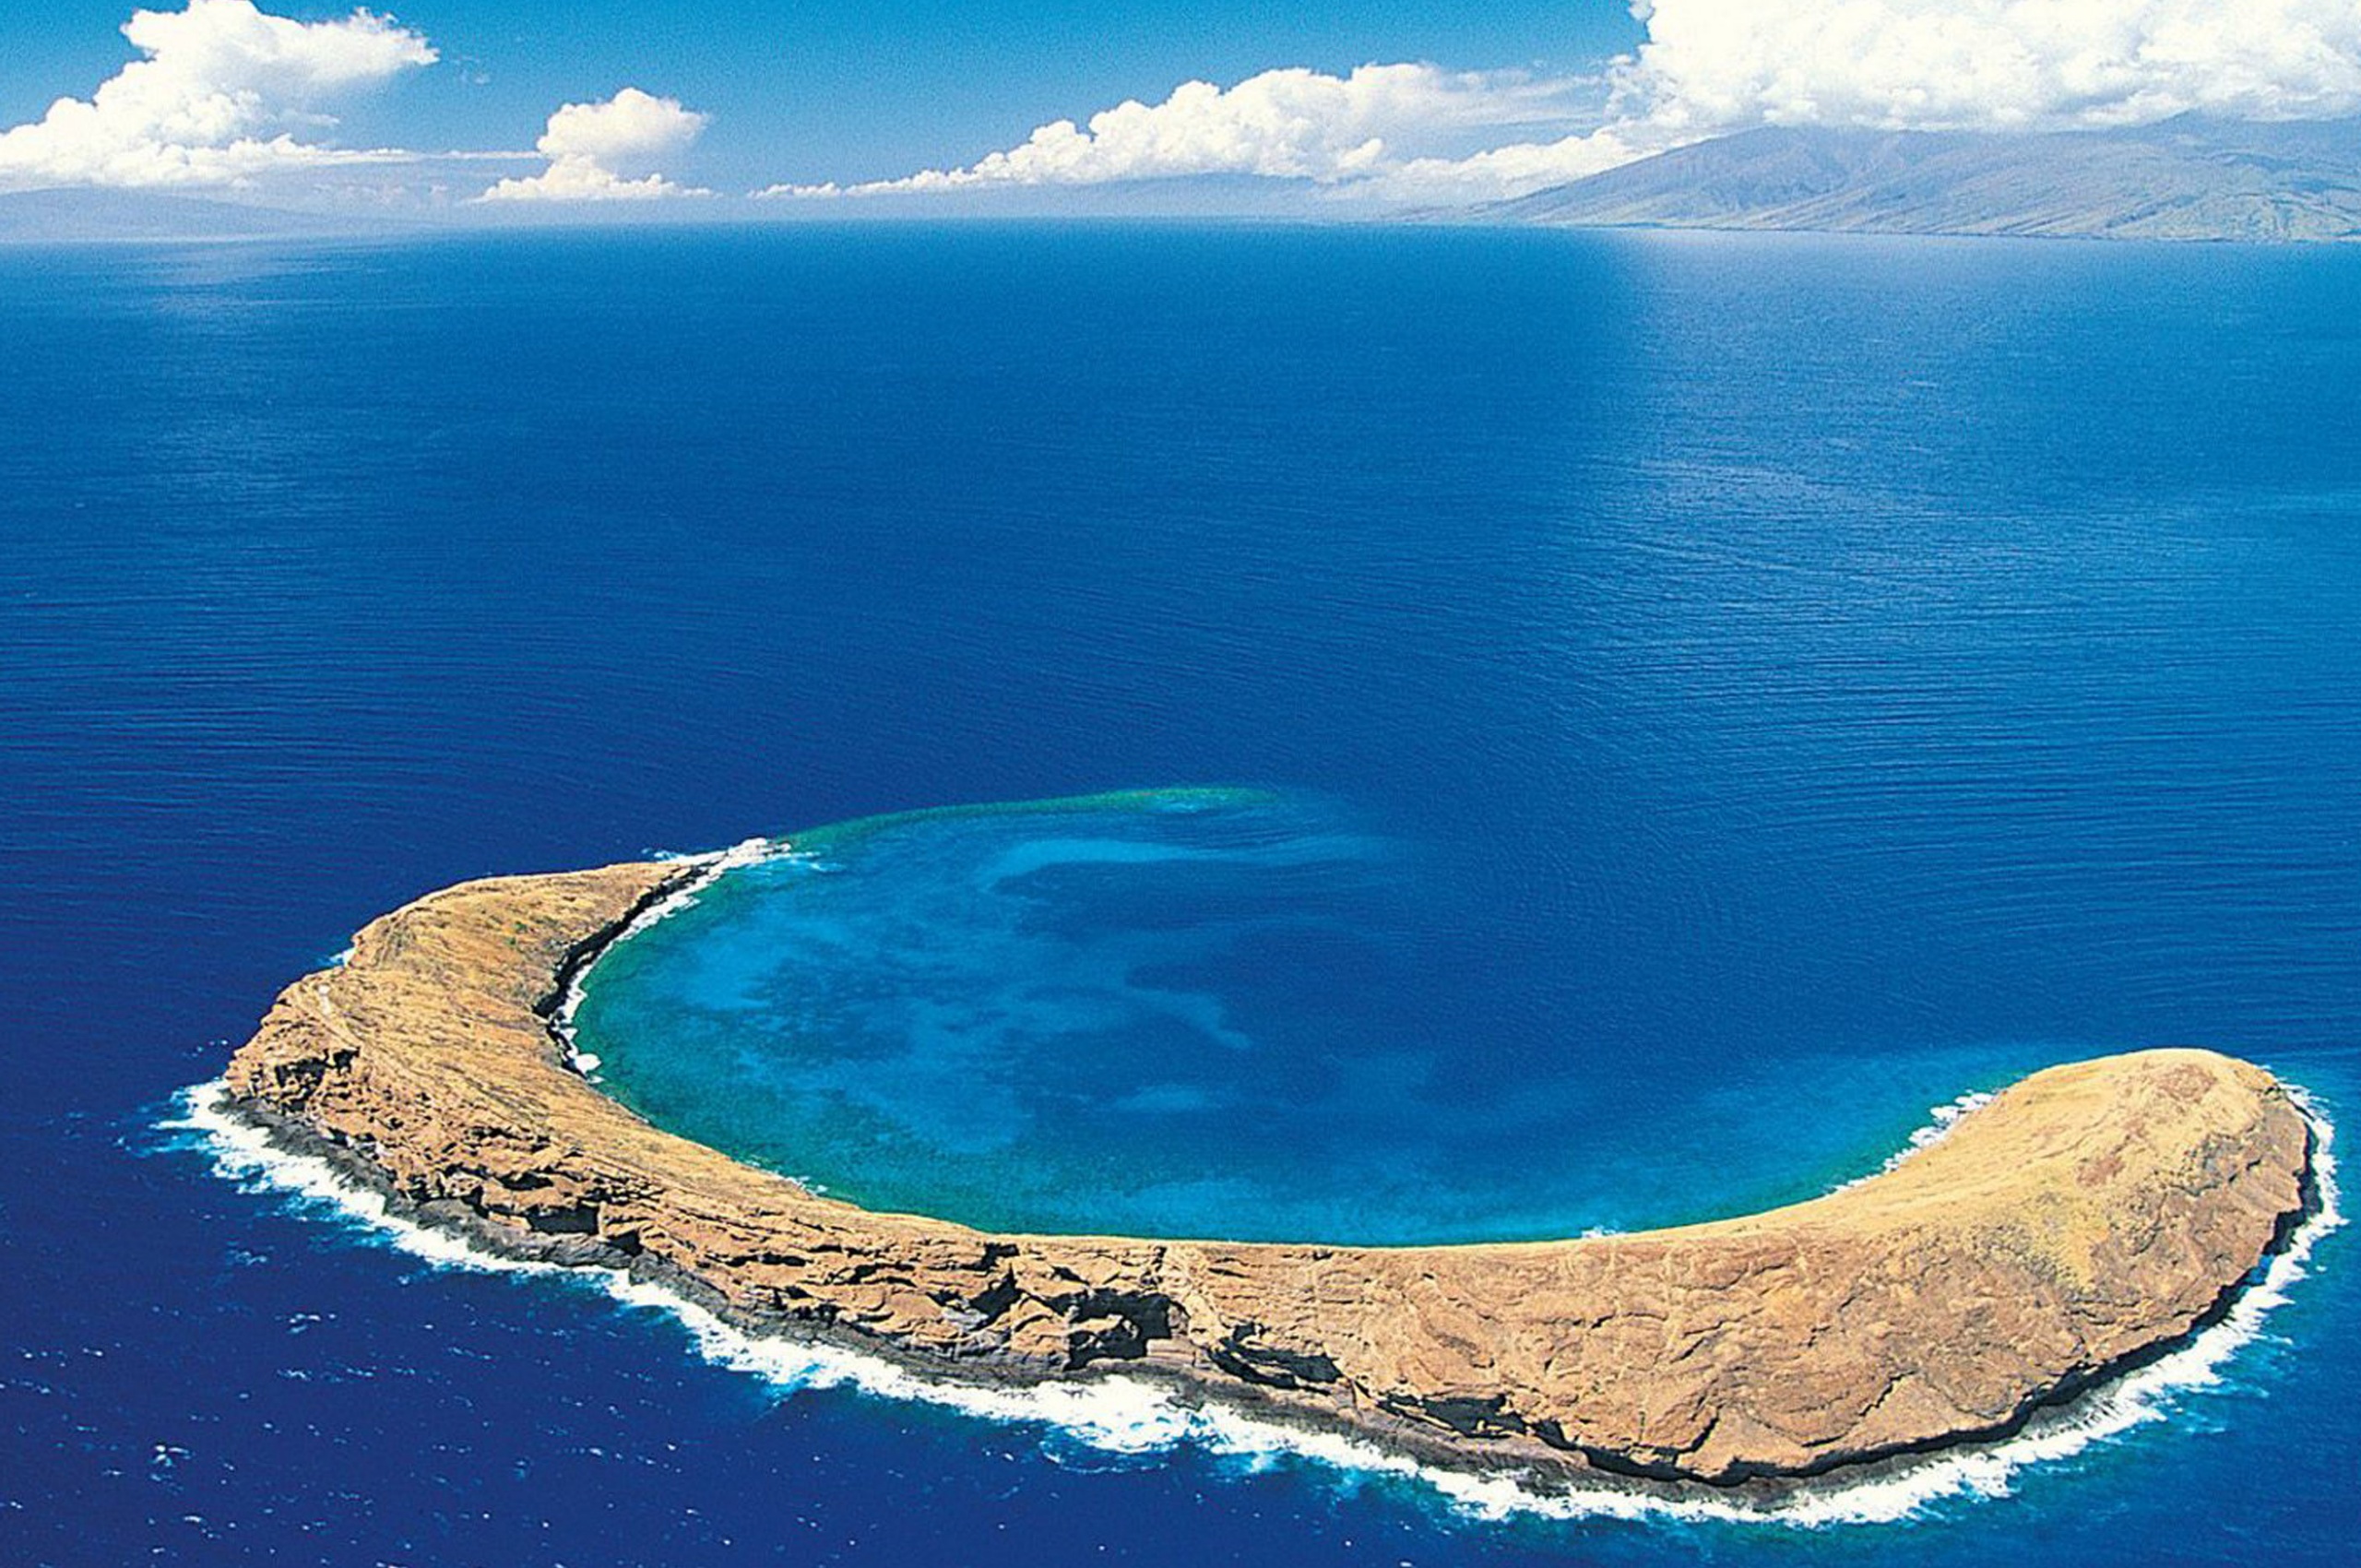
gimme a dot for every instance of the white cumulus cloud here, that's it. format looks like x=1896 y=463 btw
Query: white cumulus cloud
x=1514 y=169
x=223 y=93
x=1293 y=124
x=1990 y=64
x=616 y=150
x=1706 y=69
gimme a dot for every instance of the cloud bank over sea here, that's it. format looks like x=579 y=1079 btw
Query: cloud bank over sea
x=1710 y=67
x=225 y=96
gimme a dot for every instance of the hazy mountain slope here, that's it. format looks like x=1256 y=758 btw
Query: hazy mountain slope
x=86 y=217
x=2184 y=180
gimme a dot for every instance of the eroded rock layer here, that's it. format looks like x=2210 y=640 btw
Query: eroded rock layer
x=2084 y=1218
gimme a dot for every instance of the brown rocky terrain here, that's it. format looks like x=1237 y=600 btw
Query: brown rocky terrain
x=2086 y=1218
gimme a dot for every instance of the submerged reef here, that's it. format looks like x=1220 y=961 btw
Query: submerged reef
x=2081 y=1223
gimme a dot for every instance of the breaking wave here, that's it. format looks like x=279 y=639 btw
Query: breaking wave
x=1125 y=1415
x=710 y=866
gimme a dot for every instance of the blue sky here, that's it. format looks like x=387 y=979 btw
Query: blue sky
x=817 y=105
x=839 y=90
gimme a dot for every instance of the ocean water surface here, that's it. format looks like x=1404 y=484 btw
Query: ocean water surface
x=1454 y=733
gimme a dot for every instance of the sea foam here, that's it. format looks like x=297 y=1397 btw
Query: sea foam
x=1940 y=1125
x=1130 y=1416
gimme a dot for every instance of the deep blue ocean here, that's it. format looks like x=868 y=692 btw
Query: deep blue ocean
x=1630 y=723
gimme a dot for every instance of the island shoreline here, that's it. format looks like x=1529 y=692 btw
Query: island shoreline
x=1193 y=1378
x=498 y=1242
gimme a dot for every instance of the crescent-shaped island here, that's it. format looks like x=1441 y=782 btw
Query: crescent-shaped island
x=2085 y=1221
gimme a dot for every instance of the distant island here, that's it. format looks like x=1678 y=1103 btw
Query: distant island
x=2190 y=179
x=110 y=217
x=2084 y=1220
x=2184 y=179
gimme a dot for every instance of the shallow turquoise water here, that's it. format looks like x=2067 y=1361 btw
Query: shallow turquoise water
x=1218 y=1012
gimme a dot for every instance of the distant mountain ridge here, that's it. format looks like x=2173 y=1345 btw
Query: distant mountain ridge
x=98 y=216
x=2184 y=179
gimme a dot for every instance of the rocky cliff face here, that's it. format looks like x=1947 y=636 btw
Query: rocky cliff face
x=2087 y=1215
